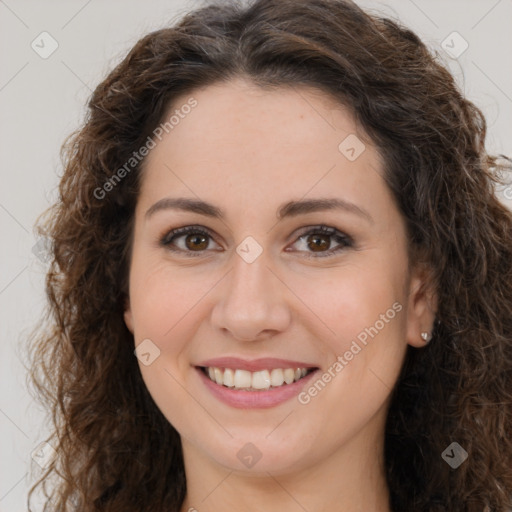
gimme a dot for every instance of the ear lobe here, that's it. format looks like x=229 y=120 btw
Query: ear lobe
x=128 y=316
x=421 y=307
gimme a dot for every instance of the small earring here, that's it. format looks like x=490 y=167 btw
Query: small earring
x=426 y=337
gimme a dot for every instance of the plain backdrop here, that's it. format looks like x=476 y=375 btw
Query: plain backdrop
x=43 y=97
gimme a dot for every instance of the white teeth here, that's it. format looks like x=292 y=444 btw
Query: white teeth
x=289 y=375
x=243 y=379
x=229 y=378
x=219 y=376
x=261 y=380
x=276 y=377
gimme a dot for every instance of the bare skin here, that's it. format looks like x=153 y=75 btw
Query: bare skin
x=248 y=151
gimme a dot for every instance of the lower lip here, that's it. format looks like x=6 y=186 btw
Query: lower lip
x=255 y=399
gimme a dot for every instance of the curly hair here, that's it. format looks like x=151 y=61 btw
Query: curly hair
x=107 y=430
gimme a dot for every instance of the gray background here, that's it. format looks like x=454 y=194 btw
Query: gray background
x=43 y=100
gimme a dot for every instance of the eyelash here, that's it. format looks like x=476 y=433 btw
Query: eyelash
x=339 y=237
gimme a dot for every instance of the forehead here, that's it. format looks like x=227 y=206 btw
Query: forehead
x=263 y=146
x=238 y=115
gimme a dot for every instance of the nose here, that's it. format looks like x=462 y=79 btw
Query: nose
x=251 y=303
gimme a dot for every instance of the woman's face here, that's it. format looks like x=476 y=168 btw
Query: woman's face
x=262 y=284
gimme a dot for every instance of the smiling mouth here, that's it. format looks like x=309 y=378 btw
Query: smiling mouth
x=255 y=381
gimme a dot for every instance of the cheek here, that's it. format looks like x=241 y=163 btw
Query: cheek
x=161 y=295
x=364 y=307
x=343 y=304
x=165 y=307
x=361 y=308
x=364 y=355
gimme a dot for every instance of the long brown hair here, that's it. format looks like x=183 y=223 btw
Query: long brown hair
x=115 y=449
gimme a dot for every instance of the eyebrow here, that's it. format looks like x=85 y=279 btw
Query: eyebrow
x=289 y=209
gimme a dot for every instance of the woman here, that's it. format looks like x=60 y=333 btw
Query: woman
x=281 y=276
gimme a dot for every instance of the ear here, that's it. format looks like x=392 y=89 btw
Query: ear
x=128 y=316
x=421 y=305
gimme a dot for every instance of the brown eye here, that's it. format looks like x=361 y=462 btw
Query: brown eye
x=318 y=242
x=196 y=240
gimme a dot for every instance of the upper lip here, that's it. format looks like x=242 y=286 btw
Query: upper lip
x=254 y=365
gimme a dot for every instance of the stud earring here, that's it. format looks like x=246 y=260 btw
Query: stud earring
x=426 y=337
